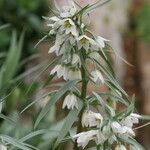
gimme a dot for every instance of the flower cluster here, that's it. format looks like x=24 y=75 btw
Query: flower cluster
x=110 y=132
x=74 y=45
x=71 y=42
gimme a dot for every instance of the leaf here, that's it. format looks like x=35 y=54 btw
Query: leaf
x=7 y=119
x=70 y=119
x=35 y=133
x=133 y=142
x=56 y=96
x=96 y=5
x=14 y=142
x=144 y=117
x=115 y=98
x=45 y=68
x=111 y=78
x=106 y=107
x=14 y=54
x=108 y=62
x=115 y=89
x=4 y=26
x=39 y=99
x=128 y=111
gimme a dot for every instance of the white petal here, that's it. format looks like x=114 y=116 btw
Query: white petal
x=53 y=49
x=91 y=119
x=120 y=147
x=116 y=127
x=97 y=77
x=55 y=69
x=54 y=18
x=83 y=138
x=101 y=41
x=70 y=101
x=2 y=147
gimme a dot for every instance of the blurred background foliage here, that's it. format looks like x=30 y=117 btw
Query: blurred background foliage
x=21 y=26
x=22 y=14
x=143 y=23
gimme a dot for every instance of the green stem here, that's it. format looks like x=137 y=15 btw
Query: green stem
x=83 y=96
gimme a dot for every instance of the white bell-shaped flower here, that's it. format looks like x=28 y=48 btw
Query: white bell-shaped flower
x=91 y=119
x=121 y=130
x=61 y=71
x=74 y=74
x=58 y=44
x=69 y=10
x=101 y=42
x=86 y=42
x=2 y=147
x=76 y=60
x=120 y=147
x=130 y=120
x=97 y=77
x=94 y=55
x=83 y=138
x=116 y=127
x=70 y=101
x=68 y=27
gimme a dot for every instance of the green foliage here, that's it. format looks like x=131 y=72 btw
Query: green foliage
x=69 y=121
x=143 y=23
x=22 y=14
x=56 y=96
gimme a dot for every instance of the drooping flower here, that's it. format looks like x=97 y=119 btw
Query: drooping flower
x=66 y=73
x=85 y=42
x=116 y=127
x=61 y=71
x=70 y=101
x=76 y=60
x=74 y=74
x=91 y=119
x=122 y=130
x=97 y=77
x=69 y=27
x=68 y=11
x=73 y=59
x=130 y=120
x=2 y=147
x=58 y=45
x=101 y=41
x=94 y=55
x=83 y=138
x=53 y=22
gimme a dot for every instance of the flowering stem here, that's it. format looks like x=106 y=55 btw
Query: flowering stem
x=83 y=96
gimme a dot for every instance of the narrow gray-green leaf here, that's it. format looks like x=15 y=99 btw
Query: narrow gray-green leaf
x=56 y=96
x=36 y=133
x=14 y=142
x=7 y=119
x=37 y=100
x=70 y=119
x=133 y=142
x=4 y=26
x=13 y=57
